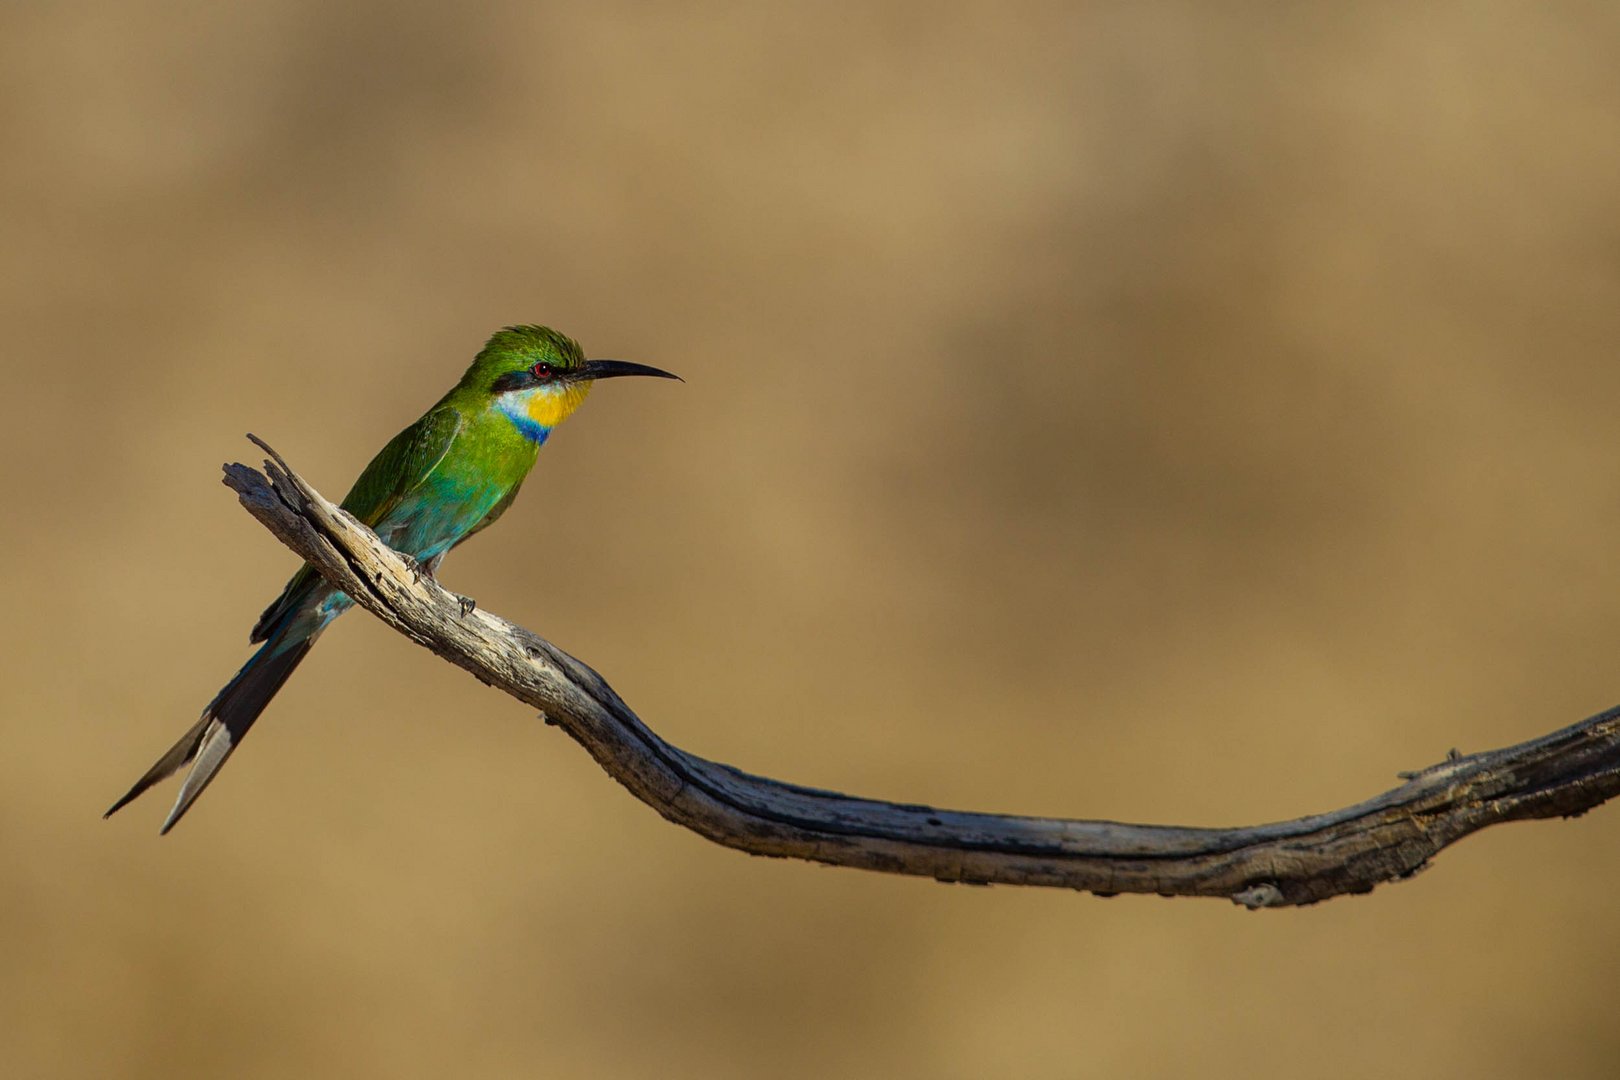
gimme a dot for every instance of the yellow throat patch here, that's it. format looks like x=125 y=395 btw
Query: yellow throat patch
x=549 y=406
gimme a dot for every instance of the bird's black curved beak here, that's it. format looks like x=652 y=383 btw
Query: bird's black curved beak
x=613 y=369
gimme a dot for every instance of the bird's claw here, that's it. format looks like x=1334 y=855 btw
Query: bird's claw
x=418 y=571
x=468 y=605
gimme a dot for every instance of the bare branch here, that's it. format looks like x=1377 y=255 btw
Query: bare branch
x=1386 y=838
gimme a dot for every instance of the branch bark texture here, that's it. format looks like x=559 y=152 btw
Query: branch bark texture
x=1387 y=838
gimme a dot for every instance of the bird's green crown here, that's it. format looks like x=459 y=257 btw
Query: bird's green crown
x=517 y=348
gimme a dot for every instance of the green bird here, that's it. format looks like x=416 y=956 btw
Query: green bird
x=435 y=484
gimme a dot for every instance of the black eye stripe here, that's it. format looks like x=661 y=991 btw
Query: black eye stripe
x=541 y=371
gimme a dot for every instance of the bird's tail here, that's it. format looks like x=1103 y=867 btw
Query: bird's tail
x=227 y=719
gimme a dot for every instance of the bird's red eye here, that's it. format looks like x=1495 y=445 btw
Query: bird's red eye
x=542 y=371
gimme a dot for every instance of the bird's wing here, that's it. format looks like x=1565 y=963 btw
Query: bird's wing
x=401 y=466
x=397 y=470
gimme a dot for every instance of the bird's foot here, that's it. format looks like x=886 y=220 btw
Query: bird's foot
x=422 y=569
x=468 y=605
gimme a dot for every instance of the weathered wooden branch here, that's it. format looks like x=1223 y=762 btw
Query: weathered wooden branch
x=1386 y=838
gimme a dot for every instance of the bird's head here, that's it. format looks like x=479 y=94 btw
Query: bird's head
x=535 y=373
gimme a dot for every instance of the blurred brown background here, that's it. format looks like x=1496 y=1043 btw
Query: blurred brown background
x=1190 y=413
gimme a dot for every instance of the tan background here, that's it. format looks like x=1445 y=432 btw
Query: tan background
x=1180 y=413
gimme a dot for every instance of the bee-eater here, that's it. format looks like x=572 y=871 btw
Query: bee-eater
x=435 y=484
